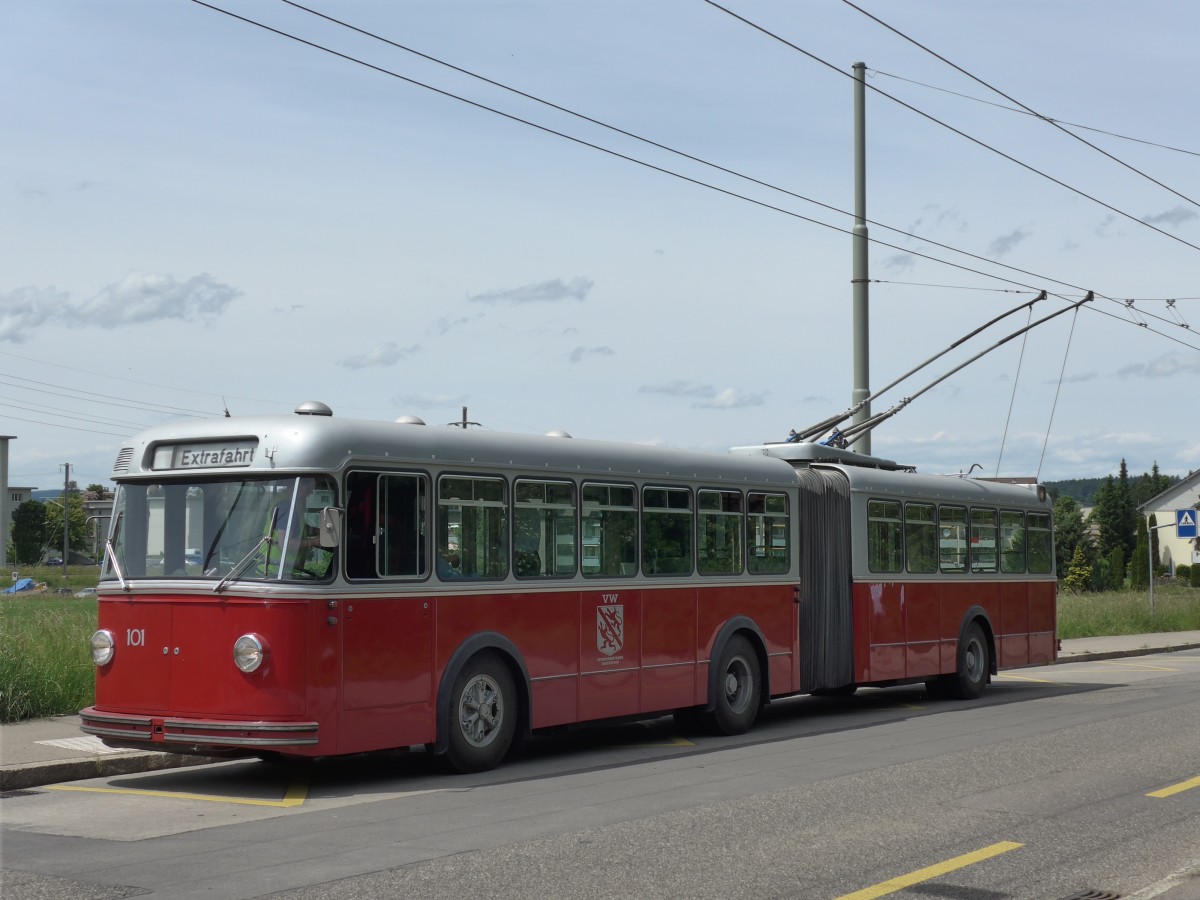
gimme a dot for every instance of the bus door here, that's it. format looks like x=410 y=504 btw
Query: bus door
x=387 y=636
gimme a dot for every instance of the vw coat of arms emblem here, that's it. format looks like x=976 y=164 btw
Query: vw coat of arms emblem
x=610 y=628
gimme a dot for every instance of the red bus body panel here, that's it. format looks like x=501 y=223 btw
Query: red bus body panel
x=910 y=630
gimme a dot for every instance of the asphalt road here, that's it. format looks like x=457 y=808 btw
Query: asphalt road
x=1043 y=790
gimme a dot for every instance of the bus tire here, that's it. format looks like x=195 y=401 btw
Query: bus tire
x=482 y=716
x=971 y=675
x=739 y=688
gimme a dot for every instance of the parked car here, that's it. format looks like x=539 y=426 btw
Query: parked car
x=86 y=592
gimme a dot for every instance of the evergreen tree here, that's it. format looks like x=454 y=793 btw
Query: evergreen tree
x=1078 y=574
x=29 y=532
x=1128 y=514
x=1070 y=533
x=1106 y=516
x=1116 y=569
x=1139 y=566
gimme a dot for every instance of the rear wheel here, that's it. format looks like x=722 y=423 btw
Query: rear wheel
x=971 y=671
x=973 y=664
x=739 y=688
x=482 y=715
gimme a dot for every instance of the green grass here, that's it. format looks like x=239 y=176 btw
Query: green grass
x=46 y=667
x=45 y=662
x=1176 y=608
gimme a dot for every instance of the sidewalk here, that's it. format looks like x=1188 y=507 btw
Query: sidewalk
x=45 y=751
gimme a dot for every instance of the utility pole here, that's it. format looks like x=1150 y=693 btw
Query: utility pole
x=861 y=331
x=66 y=518
x=5 y=512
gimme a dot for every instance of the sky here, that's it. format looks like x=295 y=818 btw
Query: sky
x=597 y=217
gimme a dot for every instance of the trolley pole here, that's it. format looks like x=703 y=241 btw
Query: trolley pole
x=861 y=389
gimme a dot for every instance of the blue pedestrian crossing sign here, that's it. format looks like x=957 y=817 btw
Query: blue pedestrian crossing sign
x=1185 y=523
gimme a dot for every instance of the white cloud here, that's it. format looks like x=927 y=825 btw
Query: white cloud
x=1176 y=216
x=144 y=297
x=1005 y=243
x=386 y=354
x=580 y=352
x=707 y=397
x=1163 y=367
x=542 y=292
x=23 y=310
x=731 y=398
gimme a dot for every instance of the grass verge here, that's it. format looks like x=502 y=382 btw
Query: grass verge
x=45 y=662
x=1176 y=608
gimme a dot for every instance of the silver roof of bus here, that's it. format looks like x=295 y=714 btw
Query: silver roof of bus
x=885 y=478
x=319 y=442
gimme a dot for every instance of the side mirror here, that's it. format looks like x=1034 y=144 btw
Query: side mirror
x=331 y=527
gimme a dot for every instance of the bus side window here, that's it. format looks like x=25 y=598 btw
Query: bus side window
x=719 y=535
x=667 y=531
x=983 y=540
x=544 y=544
x=1012 y=540
x=1041 y=543
x=360 y=525
x=952 y=538
x=920 y=538
x=400 y=544
x=767 y=539
x=885 y=537
x=609 y=537
x=472 y=527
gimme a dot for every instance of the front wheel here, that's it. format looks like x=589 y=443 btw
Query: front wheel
x=483 y=715
x=739 y=688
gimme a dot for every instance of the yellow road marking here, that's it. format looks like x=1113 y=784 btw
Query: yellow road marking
x=295 y=795
x=935 y=871
x=1176 y=788
x=1106 y=662
x=1007 y=675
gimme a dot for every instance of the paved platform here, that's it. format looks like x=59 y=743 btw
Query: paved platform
x=46 y=751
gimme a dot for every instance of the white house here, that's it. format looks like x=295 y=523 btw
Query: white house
x=1185 y=494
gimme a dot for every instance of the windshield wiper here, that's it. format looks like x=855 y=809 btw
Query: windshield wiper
x=245 y=560
x=112 y=561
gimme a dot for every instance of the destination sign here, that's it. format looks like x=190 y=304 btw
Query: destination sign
x=205 y=456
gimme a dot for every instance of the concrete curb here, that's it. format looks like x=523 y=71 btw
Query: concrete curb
x=1118 y=654
x=28 y=775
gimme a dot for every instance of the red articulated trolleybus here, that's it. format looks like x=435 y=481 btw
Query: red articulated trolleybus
x=308 y=585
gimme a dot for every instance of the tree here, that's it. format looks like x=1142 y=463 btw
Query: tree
x=1079 y=573
x=76 y=523
x=1116 y=568
x=29 y=532
x=1070 y=533
x=1139 y=566
x=96 y=492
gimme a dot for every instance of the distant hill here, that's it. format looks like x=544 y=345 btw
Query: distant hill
x=1081 y=490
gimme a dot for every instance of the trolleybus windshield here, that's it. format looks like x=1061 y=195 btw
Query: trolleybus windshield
x=264 y=529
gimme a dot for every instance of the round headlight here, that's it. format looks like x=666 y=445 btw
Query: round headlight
x=103 y=647
x=248 y=652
